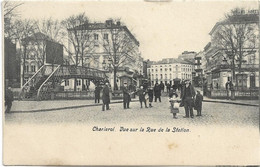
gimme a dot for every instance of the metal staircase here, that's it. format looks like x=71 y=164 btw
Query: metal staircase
x=45 y=81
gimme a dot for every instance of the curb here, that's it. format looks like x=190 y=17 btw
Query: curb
x=228 y=102
x=69 y=107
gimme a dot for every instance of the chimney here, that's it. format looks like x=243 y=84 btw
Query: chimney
x=109 y=22
x=118 y=23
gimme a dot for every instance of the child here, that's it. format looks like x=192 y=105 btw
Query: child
x=198 y=103
x=150 y=94
x=174 y=101
x=141 y=94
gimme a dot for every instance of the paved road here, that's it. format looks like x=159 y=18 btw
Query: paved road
x=213 y=113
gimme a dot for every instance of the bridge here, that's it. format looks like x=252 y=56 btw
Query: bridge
x=44 y=81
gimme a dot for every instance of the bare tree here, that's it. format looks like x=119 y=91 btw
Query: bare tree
x=120 y=45
x=237 y=37
x=21 y=31
x=10 y=13
x=79 y=37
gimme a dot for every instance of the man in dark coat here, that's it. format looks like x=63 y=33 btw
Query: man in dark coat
x=168 y=87
x=97 y=94
x=157 y=92
x=141 y=93
x=162 y=86
x=150 y=94
x=188 y=95
x=105 y=98
x=9 y=98
x=198 y=103
x=126 y=96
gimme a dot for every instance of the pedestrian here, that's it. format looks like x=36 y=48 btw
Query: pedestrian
x=9 y=98
x=174 y=102
x=227 y=85
x=150 y=94
x=97 y=94
x=105 y=97
x=141 y=93
x=126 y=96
x=157 y=92
x=168 y=86
x=162 y=86
x=198 y=103
x=188 y=95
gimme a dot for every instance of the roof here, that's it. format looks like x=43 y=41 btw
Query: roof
x=171 y=61
x=237 y=19
x=99 y=26
x=37 y=36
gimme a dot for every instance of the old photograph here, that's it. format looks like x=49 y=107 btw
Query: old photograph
x=130 y=82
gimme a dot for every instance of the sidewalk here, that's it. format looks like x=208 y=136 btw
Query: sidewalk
x=38 y=106
x=236 y=102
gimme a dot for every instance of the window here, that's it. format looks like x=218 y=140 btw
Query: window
x=161 y=69
x=106 y=36
x=96 y=36
x=165 y=69
x=161 y=76
x=86 y=37
x=156 y=70
x=251 y=59
x=170 y=76
x=170 y=69
x=67 y=83
x=33 y=68
x=26 y=68
x=165 y=76
x=78 y=82
x=152 y=76
x=152 y=70
x=156 y=76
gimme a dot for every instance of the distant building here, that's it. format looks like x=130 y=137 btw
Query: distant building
x=188 y=56
x=169 y=71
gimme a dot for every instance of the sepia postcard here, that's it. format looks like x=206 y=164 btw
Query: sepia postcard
x=130 y=83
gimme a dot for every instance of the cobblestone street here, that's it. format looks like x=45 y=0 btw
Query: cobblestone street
x=212 y=113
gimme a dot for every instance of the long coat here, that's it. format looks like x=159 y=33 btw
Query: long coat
x=141 y=93
x=150 y=94
x=198 y=102
x=189 y=88
x=97 y=92
x=126 y=95
x=105 y=96
x=9 y=97
x=157 y=91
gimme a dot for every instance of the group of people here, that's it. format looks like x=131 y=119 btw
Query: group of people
x=188 y=98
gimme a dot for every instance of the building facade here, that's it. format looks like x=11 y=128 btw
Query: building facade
x=169 y=71
x=243 y=71
x=37 y=50
x=111 y=47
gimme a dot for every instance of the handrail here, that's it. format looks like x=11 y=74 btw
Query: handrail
x=30 y=79
x=38 y=92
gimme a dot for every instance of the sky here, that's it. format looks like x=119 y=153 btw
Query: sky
x=164 y=29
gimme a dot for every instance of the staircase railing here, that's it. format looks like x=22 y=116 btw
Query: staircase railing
x=40 y=88
x=31 y=80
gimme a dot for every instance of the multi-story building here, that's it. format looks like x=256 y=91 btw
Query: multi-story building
x=220 y=67
x=169 y=71
x=37 y=50
x=111 y=47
